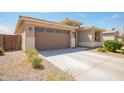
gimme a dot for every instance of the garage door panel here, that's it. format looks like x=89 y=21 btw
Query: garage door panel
x=51 y=40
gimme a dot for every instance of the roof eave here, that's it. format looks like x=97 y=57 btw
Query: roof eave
x=23 y=18
x=90 y=28
x=40 y=20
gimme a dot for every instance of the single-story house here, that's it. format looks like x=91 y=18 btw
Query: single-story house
x=110 y=35
x=120 y=37
x=45 y=35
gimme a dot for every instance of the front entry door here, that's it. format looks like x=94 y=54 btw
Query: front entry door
x=73 y=39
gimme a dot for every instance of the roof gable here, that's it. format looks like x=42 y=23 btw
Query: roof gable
x=70 y=22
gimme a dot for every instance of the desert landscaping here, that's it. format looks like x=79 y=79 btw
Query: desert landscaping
x=14 y=67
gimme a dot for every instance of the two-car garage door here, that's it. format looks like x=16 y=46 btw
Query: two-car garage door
x=46 y=39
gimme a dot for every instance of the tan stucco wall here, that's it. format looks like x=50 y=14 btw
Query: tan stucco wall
x=90 y=44
x=87 y=38
x=23 y=40
x=108 y=37
x=28 y=37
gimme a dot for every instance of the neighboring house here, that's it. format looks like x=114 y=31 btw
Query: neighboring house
x=45 y=35
x=120 y=37
x=110 y=35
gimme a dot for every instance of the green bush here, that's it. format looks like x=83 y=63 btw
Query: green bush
x=101 y=50
x=32 y=56
x=112 y=45
x=120 y=45
x=122 y=52
x=1 y=51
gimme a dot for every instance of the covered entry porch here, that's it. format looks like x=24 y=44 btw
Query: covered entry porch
x=90 y=36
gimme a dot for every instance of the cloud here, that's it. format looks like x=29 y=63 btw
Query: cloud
x=104 y=20
x=6 y=30
x=116 y=16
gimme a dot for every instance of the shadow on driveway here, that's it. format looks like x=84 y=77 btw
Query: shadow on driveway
x=48 y=53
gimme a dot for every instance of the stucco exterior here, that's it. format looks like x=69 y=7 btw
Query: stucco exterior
x=28 y=37
x=110 y=35
x=76 y=35
x=87 y=37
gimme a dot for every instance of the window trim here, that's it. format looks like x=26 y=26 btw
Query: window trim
x=39 y=29
x=50 y=31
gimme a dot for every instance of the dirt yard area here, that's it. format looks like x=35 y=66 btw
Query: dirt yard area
x=14 y=67
x=107 y=53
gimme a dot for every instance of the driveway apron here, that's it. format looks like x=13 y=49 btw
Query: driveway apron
x=85 y=65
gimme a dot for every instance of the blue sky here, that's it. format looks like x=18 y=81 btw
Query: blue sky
x=105 y=20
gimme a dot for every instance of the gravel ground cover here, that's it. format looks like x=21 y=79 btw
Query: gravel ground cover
x=14 y=67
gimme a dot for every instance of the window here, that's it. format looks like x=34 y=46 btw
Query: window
x=39 y=29
x=97 y=36
x=50 y=30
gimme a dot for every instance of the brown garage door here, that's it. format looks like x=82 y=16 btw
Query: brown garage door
x=51 y=39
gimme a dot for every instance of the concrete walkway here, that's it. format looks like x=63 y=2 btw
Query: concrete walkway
x=85 y=65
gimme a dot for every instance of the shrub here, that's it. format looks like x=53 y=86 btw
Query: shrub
x=31 y=51
x=63 y=76
x=120 y=45
x=122 y=52
x=36 y=61
x=112 y=45
x=32 y=56
x=1 y=51
x=101 y=50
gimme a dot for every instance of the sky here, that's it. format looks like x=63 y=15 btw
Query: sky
x=105 y=20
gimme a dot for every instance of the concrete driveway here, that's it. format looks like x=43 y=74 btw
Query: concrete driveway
x=85 y=65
